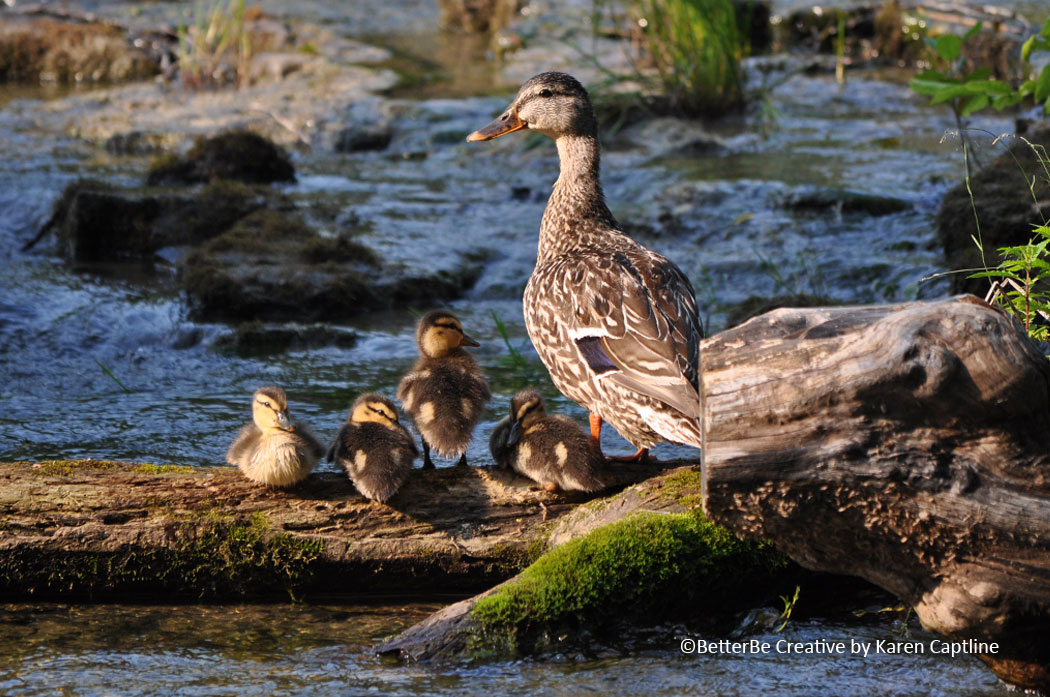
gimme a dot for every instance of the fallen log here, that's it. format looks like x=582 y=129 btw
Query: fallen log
x=908 y=445
x=97 y=529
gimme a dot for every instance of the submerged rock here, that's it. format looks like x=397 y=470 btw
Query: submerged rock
x=1003 y=203
x=272 y=266
x=845 y=201
x=34 y=50
x=358 y=138
x=238 y=155
x=95 y=221
x=259 y=339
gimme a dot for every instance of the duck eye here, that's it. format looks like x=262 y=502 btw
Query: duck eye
x=546 y=93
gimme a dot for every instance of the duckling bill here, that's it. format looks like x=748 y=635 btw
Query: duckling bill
x=273 y=450
x=445 y=392
x=551 y=450
x=616 y=324
x=374 y=448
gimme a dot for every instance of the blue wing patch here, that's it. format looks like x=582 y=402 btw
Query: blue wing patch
x=594 y=354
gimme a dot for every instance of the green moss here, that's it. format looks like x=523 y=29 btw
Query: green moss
x=67 y=468
x=148 y=468
x=685 y=487
x=649 y=565
x=213 y=556
x=337 y=250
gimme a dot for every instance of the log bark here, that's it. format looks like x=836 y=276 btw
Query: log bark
x=457 y=530
x=908 y=445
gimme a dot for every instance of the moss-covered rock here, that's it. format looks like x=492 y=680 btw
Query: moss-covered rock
x=237 y=155
x=35 y=50
x=95 y=221
x=1003 y=203
x=647 y=567
x=271 y=266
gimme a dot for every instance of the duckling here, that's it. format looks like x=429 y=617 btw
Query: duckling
x=445 y=391
x=550 y=450
x=616 y=325
x=375 y=450
x=274 y=451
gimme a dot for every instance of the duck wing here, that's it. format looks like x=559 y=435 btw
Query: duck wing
x=634 y=318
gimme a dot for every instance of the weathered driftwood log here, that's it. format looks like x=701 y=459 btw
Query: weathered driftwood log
x=908 y=445
x=104 y=529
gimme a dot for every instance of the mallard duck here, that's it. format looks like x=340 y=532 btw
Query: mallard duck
x=273 y=450
x=550 y=450
x=445 y=391
x=375 y=450
x=616 y=324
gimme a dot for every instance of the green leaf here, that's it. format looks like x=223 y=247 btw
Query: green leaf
x=976 y=28
x=1045 y=31
x=1026 y=47
x=975 y=103
x=979 y=74
x=1042 y=85
x=929 y=88
x=948 y=47
x=1005 y=101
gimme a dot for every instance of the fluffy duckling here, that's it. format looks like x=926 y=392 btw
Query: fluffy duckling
x=375 y=450
x=445 y=391
x=274 y=451
x=550 y=450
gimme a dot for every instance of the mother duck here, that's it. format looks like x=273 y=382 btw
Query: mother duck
x=615 y=324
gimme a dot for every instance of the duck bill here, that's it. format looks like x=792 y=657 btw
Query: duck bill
x=500 y=127
x=468 y=341
x=284 y=422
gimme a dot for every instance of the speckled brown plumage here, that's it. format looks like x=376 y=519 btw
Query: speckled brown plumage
x=616 y=324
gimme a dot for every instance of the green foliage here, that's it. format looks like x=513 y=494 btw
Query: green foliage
x=695 y=48
x=966 y=93
x=1038 y=88
x=1023 y=268
x=789 y=607
x=514 y=359
x=216 y=45
x=648 y=565
x=691 y=51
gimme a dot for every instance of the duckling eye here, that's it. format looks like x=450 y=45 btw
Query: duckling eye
x=546 y=93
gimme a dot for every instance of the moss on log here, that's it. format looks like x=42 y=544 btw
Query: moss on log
x=89 y=529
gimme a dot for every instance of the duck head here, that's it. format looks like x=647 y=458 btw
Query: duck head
x=526 y=408
x=554 y=104
x=439 y=333
x=270 y=409
x=375 y=408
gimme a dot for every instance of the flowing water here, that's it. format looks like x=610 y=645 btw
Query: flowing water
x=103 y=362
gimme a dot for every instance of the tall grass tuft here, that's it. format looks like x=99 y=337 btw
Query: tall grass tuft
x=216 y=49
x=694 y=48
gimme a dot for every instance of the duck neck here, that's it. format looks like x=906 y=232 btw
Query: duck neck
x=576 y=209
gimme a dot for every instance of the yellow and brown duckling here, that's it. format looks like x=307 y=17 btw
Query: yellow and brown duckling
x=616 y=324
x=375 y=450
x=273 y=450
x=445 y=392
x=551 y=450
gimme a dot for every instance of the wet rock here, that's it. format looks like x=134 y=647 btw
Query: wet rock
x=95 y=221
x=755 y=305
x=34 y=50
x=362 y=137
x=237 y=155
x=271 y=266
x=258 y=339
x=478 y=16
x=1002 y=202
x=135 y=143
x=845 y=201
